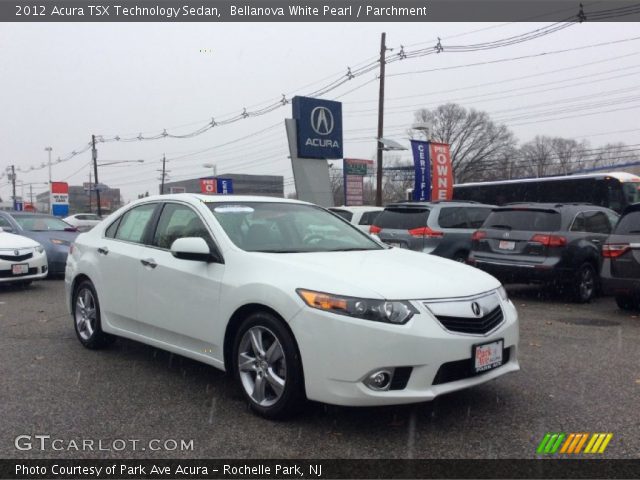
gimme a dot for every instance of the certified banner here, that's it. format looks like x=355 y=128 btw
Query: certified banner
x=442 y=171
x=422 y=185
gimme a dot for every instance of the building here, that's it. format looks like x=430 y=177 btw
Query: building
x=243 y=184
x=80 y=202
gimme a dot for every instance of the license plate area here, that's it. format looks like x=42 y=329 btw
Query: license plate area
x=487 y=356
x=395 y=244
x=20 y=268
x=506 y=245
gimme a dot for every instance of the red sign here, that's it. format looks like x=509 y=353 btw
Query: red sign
x=60 y=187
x=208 y=186
x=441 y=172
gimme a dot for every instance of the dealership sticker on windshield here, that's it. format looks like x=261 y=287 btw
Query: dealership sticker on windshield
x=233 y=209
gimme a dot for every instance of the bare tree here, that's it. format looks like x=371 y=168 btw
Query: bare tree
x=477 y=143
x=569 y=155
x=613 y=154
x=536 y=157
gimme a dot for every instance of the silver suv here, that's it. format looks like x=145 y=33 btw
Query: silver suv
x=442 y=228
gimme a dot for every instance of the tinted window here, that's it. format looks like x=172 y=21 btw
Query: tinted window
x=525 y=220
x=111 y=231
x=477 y=216
x=629 y=224
x=452 y=217
x=134 y=223
x=347 y=215
x=403 y=218
x=178 y=221
x=369 y=217
x=596 y=222
x=578 y=223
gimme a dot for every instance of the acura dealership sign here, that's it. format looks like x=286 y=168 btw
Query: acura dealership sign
x=319 y=127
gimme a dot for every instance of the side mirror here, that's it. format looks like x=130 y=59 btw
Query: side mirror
x=194 y=248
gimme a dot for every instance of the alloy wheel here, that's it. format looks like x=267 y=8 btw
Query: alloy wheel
x=85 y=313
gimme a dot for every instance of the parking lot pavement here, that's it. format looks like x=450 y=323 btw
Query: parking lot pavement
x=580 y=373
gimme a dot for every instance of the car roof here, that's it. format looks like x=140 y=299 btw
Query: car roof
x=357 y=208
x=439 y=203
x=219 y=198
x=575 y=206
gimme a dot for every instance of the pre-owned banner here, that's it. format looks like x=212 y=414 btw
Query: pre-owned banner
x=442 y=176
x=422 y=185
x=60 y=199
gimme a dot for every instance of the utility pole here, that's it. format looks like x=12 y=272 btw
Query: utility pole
x=13 y=182
x=94 y=153
x=31 y=194
x=383 y=50
x=48 y=149
x=164 y=161
x=90 y=211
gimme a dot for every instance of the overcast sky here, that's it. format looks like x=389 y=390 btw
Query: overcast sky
x=62 y=82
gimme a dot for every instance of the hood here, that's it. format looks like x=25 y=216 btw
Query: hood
x=45 y=236
x=9 y=240
x=393 y=274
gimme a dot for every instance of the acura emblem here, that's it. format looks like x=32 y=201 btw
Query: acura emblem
x=16 y=252
x=475 y=308
x=505 y=235
x=322 y=120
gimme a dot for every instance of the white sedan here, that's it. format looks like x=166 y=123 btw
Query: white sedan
x=293 y=300
x=22 y=260
x=83 y=221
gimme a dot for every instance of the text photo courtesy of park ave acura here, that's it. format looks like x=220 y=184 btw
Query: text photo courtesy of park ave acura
x=325 y=239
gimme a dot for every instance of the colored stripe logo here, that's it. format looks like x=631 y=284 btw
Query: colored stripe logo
x=573 y=443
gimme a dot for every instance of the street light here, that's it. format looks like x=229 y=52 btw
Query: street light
x=119 y=161
x=212 y=165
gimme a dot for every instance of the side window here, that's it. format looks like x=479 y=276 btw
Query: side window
x=179 y=221
x=110 y=232
x=597 y=222
x=477 y=216
x=368 y=217
x=452 y=217
x=347 y=215
x=6 y=226
x=134 y=223
x=81 y=217
x=578 y=223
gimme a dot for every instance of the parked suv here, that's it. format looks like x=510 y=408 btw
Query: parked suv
x=441 y=228
x=621 y=263
x=546 y=243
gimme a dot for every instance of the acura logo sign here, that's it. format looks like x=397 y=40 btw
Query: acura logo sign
x=475 y=308
x=16 y=252
x=322 y=120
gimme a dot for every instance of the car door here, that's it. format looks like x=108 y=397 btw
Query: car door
x=118 y=255
x=597 y=227
x=179 y=299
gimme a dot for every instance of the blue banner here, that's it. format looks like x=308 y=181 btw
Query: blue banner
x=422 y=164
x=224 y=186
x=319 y=125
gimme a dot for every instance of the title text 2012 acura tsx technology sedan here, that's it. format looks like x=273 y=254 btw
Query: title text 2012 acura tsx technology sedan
x=290 y=298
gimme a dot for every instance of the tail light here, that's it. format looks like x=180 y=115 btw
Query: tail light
x=374 y=229
x=614 y=250
x=478 y=235
x=549 y=240
x=425 y=232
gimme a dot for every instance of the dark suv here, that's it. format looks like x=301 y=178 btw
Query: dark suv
x=621 y=263
x=441 y=228
x=546 y=243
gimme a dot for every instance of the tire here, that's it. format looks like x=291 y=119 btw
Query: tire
x=626 y=302
x=460 y=257
x=86 y=317
x=267 y=366
x=585 y=284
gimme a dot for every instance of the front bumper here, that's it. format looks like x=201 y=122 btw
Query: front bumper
x=57 y=259
x=37 y=270
x=339 y=352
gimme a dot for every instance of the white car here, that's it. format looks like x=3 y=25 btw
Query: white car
x=291 y=299
x=360 y=216
x=22 y=260
x=83 y=221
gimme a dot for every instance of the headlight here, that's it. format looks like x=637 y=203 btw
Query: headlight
x=503 y=294
x=397 y=312
x=57 y=241
x=39 y=249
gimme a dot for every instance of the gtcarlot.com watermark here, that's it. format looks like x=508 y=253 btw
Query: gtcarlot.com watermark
x=48 y=443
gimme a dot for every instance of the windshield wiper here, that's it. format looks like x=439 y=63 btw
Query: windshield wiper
x=352 y=249
x=276 y=251
x=501 y=227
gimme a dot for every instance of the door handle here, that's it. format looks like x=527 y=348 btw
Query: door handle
x=149 y=262
x=596 y=241
x=103 y=250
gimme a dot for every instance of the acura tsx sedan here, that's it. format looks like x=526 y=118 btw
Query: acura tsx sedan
x=291 y=299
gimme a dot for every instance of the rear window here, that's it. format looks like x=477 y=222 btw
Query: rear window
x=629 y=224
x=403 y=218
x=343 y=213
x=524 y=220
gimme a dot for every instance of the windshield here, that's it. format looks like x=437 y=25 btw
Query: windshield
x=41 y=223
x=523 y=220
x=631 y=192
x=288 y=228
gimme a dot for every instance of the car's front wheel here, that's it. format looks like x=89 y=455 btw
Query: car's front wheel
x=86 y=316
x=267 y=365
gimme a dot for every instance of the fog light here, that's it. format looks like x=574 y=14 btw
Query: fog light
x=379 y=380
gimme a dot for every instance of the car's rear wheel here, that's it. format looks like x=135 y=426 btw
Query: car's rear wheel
x=267 y=365
x=627 y=302
x=585 y=284
x=461 y=257
x=86 y=316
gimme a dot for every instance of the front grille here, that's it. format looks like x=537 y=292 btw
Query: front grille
x=400 y=378
x=7 y=273
x=461 y=369
x=477 y=325
x=16 y=258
